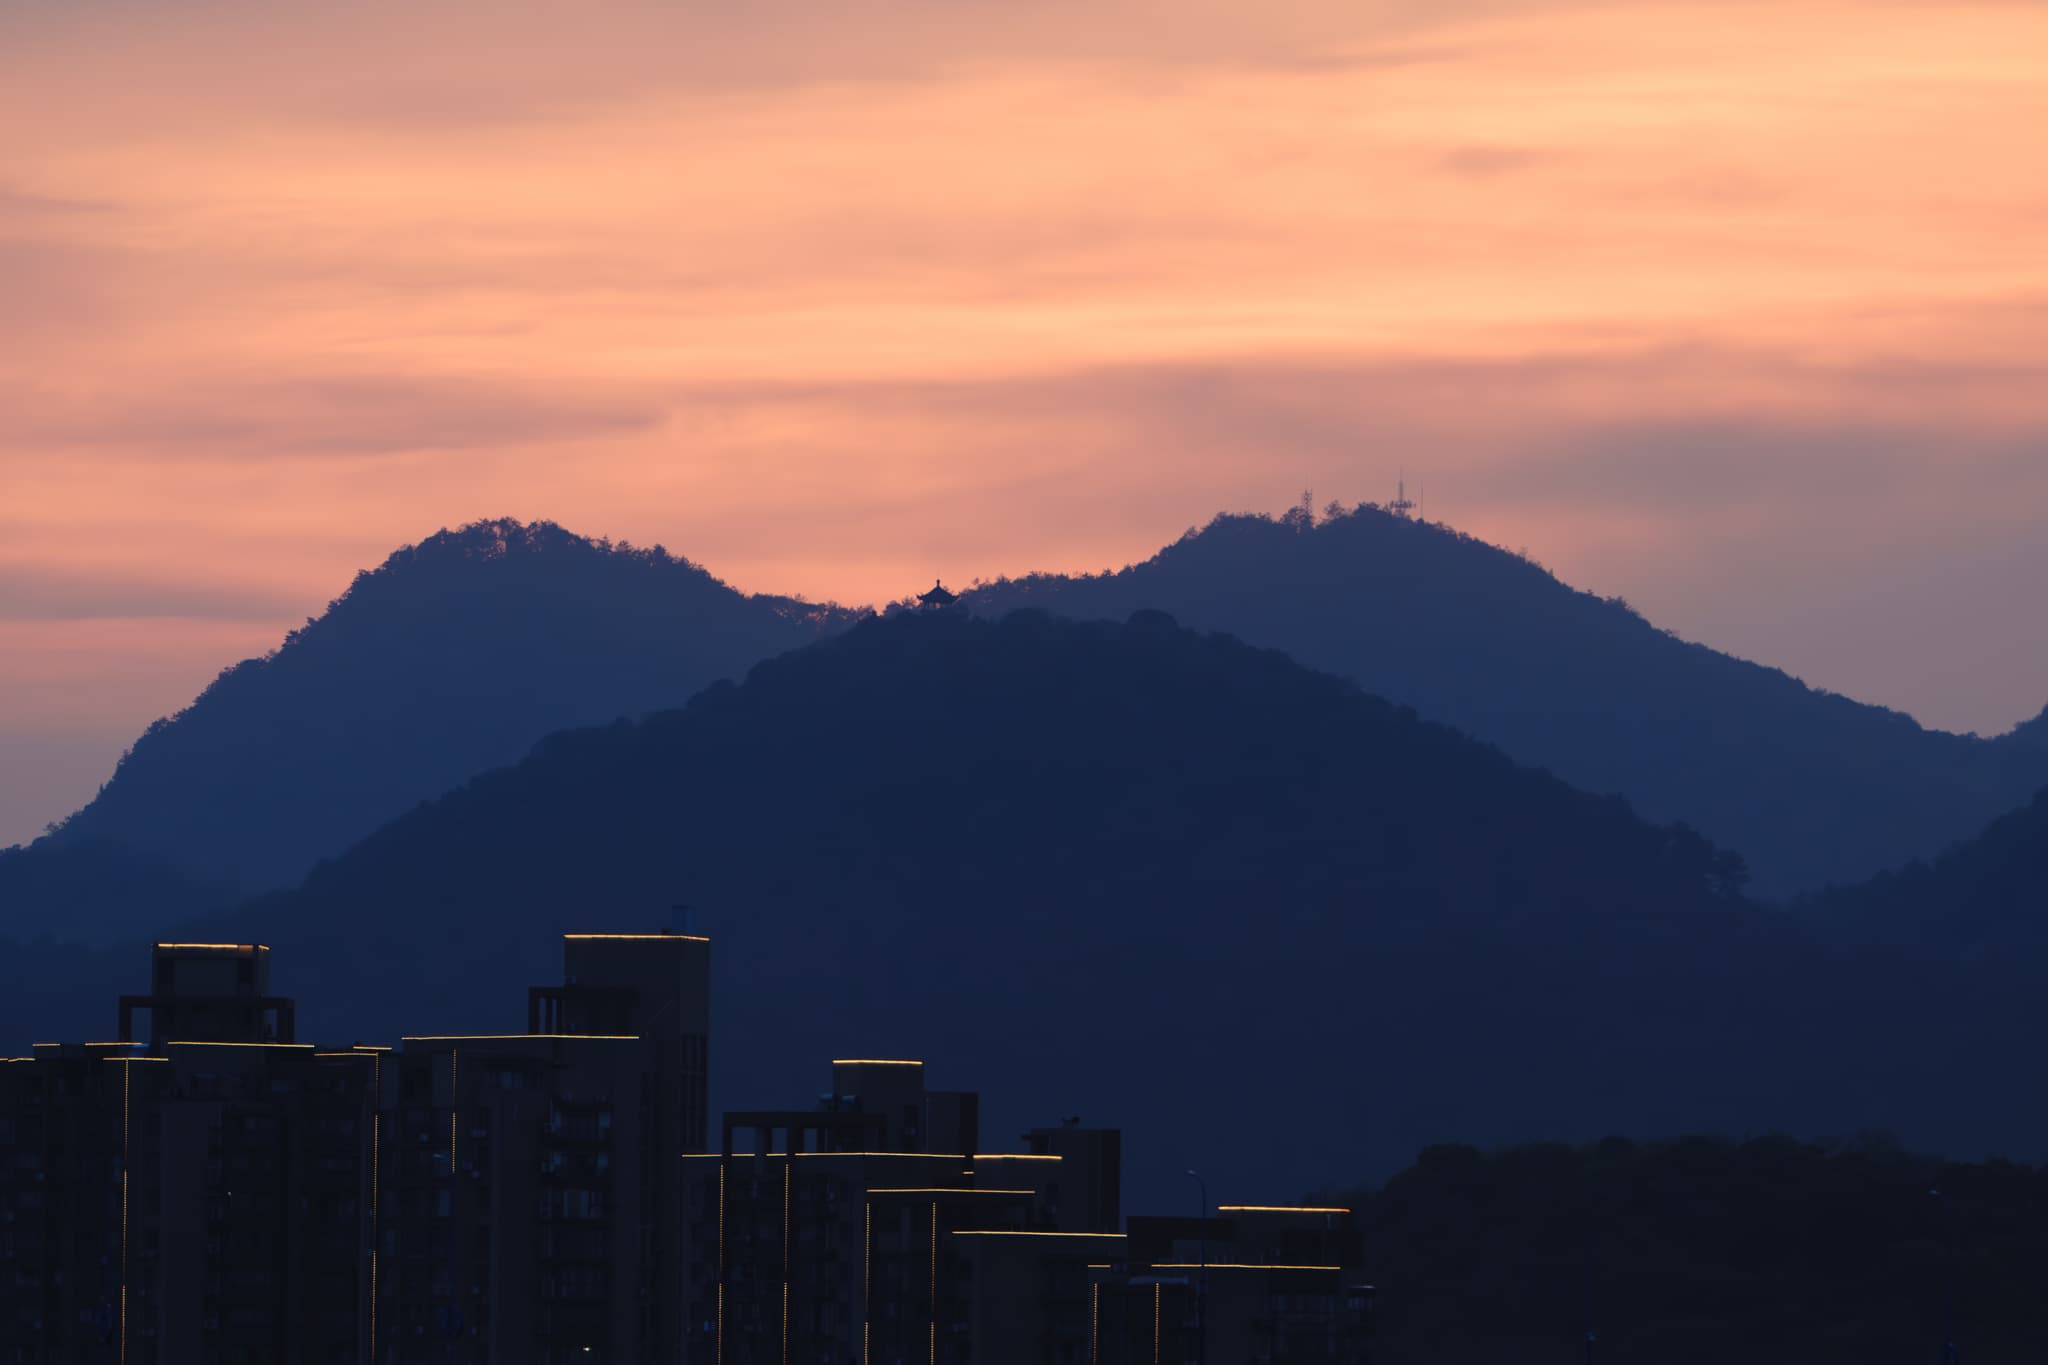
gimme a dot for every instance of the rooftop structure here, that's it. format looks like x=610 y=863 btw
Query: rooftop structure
x=206 y=1194
x=222 y=1192
x=870 y=1228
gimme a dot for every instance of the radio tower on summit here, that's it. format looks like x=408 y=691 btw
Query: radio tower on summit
x=1401 y=506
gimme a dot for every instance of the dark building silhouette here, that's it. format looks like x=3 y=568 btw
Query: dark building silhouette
x=537 y=1210
x=870 y=1229
x=221 y=1192
x=207 y=1194
x=1249 y=1283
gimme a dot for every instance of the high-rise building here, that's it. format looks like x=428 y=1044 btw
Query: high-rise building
x=204 y=1194
x=831 y=1233
x=870 y=1229
x=536 y=1206
x=1257 y=1282
x=220 y=1192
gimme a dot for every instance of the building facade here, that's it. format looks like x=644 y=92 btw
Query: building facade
x=536 y=1198
x=210 y=1189
x=872 y=1229
x=219 y=1191
x=202 y=1194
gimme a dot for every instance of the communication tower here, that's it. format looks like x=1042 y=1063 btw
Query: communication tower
x=1401 y=506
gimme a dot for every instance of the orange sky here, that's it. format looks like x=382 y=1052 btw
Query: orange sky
x=1735 y=309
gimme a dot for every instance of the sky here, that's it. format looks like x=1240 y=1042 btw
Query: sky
x=1739 y=311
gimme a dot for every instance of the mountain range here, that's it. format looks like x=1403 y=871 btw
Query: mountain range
x=1812 y=788
x=457 y=654
x=451 y=658
x=1125 y=867
x=1267 y=922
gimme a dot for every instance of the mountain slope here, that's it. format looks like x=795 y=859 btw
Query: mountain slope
x=1271 y=924
x=2031 y=733
x=453 y=657
x=1984 y=902
x=1810 y=787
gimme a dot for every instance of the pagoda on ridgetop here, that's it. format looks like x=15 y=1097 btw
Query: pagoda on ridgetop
x=938 y=598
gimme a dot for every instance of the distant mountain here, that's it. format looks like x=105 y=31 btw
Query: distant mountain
x=1975 y=921
x=1810 y=787
x=453 y=657
x=1984 y=902
x=2032 y=733
x=1276 y=927
x=69 y=881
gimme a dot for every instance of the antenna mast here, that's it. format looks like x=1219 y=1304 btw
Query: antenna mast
x=1401 y=506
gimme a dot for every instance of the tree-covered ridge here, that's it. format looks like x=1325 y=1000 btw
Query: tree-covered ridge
x=1984 y=901
x=451 y=657
x=1031 y=850
x=1809 y=786
x=1707 y=1250
x=2033 y=733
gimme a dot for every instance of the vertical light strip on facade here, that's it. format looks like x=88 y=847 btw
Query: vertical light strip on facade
x=127 y=1076
x=376 y=1174
x=454 y=1079
x=867 y=1273
x=935 y=1284
x=788 y=1168
x=1095 y=1321
x=720 y=1348
x=1158 y=1293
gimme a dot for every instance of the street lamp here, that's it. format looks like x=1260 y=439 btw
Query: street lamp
x=1202 y=1286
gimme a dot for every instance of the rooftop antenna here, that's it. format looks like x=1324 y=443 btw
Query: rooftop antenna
x=1400 y=506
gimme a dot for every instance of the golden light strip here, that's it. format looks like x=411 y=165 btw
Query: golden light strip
x=924 y=1156
x=376 y=1177
x=872 y=1061
x=944 y=1189
x=220 y=947
x=126 y=1077
x=1018 y=1232
x=1095 y=1321
x=788 y=1169
x=645 y=938
x=721 y=1264
x=1158 y=1297
x=207 y=1042
x=1016 y=1156
x=499 y=1037
x=1235 y=1265
x=1278 y=1208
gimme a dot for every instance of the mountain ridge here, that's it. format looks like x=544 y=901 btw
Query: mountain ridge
x=1024 y=850
x=1812 y=787
x=452 y=656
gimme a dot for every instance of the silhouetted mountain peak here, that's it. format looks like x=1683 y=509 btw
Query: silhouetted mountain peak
x=1006 y=840
x=1811 y=787
x=452 y=656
